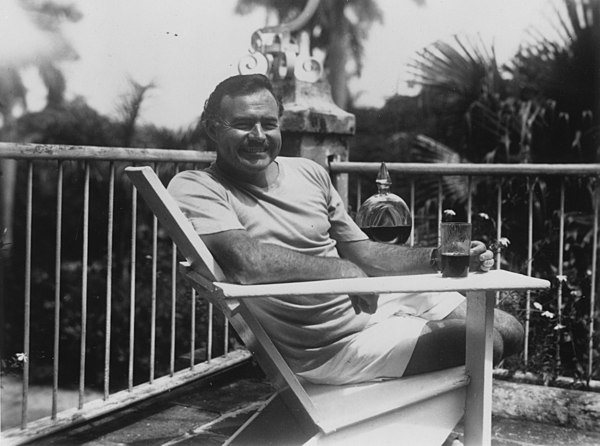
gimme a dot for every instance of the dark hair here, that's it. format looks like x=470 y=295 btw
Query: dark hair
x=236 y=86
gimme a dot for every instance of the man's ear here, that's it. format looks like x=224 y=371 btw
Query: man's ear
x=211 y=129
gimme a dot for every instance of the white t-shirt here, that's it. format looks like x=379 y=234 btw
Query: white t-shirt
x=301 y=211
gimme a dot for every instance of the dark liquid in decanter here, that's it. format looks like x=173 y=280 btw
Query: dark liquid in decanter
x=389 y=234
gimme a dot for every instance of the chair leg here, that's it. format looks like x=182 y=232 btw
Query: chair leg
x=479 y=363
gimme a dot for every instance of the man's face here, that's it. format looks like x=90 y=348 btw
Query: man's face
x=247 y=134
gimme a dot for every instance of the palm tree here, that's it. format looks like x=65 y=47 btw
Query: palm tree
x=332 y=31
x=564 y=71
x=462 y=87
x=543 y=106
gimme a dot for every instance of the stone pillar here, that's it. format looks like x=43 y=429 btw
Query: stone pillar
x=313 y=126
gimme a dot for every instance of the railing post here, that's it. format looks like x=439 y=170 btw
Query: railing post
x=84 y=283
x=27 y=297
x=560 y=275
x=109 y=267
x=530 y=190
x=57 y=289
x=592 y=313
x=314 y=127
x=132 y=278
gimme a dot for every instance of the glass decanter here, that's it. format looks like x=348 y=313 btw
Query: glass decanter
x=385 y=217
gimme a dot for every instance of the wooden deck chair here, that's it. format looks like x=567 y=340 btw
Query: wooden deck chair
x=416 y=410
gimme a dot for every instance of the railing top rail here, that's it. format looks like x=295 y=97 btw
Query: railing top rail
x=95 y=153
x=11 y=150
x=466 y=168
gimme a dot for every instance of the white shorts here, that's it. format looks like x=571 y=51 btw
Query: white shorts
x=384 y=347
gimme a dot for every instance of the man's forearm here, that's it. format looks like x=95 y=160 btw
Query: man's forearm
x=380 y=259
x=402 y=260
x=276 y=264
x=247 y=261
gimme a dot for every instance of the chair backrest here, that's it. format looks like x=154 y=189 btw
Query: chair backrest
x=178 y=226
x=201 y=261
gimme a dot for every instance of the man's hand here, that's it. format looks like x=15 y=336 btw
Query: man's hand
x=482 y=259
x=364 y=302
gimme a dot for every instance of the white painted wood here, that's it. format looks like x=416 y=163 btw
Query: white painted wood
x=497 y=280
x=479 y=364
x=341 y=406
x=426 y=423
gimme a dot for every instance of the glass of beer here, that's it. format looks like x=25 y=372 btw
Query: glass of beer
x=454 y=249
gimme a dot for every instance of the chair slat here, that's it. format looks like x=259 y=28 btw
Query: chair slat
x=177 y=225
x=342 y=406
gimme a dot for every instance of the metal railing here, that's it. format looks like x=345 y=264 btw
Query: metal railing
x=53 y=185
x=587 y=204
x=110 y=280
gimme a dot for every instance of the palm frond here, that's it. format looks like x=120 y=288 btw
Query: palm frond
x=562 y=66
x=454 y=188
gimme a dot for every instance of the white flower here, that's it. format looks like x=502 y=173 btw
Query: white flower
x=559 y=326
x=561 y=278
x=449 y=213
x=22 y=357
x=503 y=242
x=548 y=314
x=484 y=216
x=538 y=306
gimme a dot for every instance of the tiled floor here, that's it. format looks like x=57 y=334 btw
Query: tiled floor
x=209 y=412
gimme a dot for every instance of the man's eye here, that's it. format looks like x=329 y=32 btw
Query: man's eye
x=270 y=125
x=243 y=126
x=248 y=126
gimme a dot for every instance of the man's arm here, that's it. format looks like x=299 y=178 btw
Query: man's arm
x=248 y=261
x=382 y=259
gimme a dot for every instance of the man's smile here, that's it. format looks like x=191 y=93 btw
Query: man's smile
x=256 y=148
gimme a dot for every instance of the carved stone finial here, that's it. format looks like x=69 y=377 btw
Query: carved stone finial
x=276 y=52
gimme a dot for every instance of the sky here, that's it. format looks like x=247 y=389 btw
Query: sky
x=185 y=47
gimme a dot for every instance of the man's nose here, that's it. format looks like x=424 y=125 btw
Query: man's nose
x=257 y=131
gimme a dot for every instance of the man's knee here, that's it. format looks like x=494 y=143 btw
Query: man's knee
x=440 y=345
x=511 y=330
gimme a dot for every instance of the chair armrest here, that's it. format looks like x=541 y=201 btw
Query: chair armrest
x=497 y=280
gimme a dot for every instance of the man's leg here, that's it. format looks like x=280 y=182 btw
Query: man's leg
x=506 y=324
x=442 y=343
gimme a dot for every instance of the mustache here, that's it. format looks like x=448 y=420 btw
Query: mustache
x=256 y=144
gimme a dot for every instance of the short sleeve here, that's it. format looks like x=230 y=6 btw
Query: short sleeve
x=343 y=228
x=205 y=202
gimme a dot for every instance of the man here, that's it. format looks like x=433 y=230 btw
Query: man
x=276 y=219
